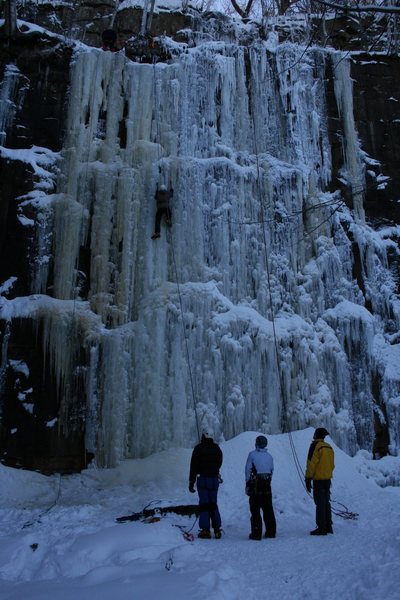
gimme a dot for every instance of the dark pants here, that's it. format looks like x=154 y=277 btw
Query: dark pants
x=322 y=495
x=207 y=488
x=159 y=214
x=258 y=503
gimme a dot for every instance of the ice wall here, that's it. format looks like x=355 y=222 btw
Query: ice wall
x=258 y=263
x=11 y=91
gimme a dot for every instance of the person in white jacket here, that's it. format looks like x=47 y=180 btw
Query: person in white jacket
x=258 y=472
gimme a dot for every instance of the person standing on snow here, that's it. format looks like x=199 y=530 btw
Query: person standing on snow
x=258 y=472
x=320 y=465
x=205 y=464
x=162 y=197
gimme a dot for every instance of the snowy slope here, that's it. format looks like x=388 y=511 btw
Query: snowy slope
x=83 y=553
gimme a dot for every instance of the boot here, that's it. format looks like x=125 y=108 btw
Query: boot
x=255 y=536
x=318 y=532
x=218 y=534
x=204 y=534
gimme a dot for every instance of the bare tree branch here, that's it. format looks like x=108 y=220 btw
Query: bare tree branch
x=239 y=10
x=244 y=13
x=10 y=17
x=360 y=8
x=248 y=7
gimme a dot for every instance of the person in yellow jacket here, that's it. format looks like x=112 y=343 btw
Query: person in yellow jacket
x=320 y=465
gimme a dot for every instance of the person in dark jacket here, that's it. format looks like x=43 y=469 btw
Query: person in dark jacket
x=109 y=37
x=258 y=473
x=320 y=465
x=205 y=465
x=163 y=197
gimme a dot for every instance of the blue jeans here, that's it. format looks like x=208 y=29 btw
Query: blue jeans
x=207 y=488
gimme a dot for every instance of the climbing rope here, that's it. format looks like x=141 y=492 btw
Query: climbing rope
x=344 y=512
x=154 y=515
x=47 y=510
x=262 y=222
x=337 y=203
x=296 y=460
x=185 y=337
x=187 y=533
x=194 y=399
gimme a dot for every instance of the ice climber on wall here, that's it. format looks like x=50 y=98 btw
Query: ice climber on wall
x=163 y=198
x=109 y=38
x=205 y=464
x=320 y=465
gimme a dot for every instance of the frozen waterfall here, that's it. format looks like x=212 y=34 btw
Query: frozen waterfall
x=260 y=244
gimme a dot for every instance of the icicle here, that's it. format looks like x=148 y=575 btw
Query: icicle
x=113 y=397
x=344 y=98
x=92 y=418
x=4 y=357
x=8 y=103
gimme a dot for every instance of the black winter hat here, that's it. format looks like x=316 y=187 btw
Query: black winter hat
x=261 y=441
x=109 y=35
x=320 y=432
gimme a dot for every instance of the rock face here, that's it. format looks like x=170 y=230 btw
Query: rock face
x=91 y=324
x=376 y=109
x=35 y=83
x=36 y=77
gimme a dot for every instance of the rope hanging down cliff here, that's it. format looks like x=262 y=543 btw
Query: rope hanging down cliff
x=277 y=355
x=188 y=361
x=343 y=511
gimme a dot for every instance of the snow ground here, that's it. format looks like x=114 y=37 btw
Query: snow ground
x=82 y=553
